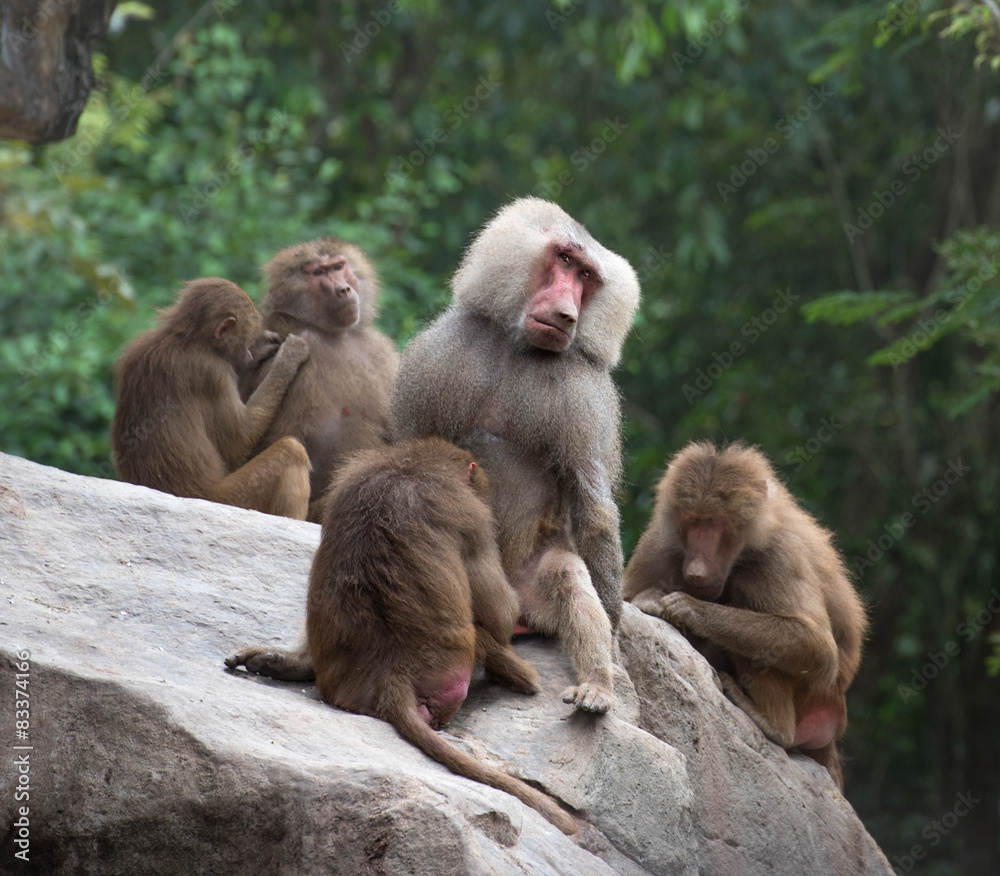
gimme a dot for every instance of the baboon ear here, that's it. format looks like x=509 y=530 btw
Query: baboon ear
x=225 y=326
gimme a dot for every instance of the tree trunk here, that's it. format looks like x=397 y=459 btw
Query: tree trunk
x=45 y=70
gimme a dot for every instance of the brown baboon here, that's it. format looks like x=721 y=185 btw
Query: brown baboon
x=326 y=291
x=756 y=583
x=406 y=593
x=518 y=372
x=180 y=425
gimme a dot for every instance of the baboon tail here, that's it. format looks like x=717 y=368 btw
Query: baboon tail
x=408 y=723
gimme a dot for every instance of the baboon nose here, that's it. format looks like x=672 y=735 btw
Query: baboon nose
x=696 y=572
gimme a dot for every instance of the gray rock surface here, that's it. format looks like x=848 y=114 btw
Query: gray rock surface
x=149 y=757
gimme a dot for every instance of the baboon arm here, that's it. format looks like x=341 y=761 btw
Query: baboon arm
x=252 y=377
x=793 y=644
x=558 y=598
x=598 y=540
x=653 y=567
x=263 y=403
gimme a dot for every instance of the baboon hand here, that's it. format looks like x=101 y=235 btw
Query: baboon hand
x=680 y=609
x=293 y=352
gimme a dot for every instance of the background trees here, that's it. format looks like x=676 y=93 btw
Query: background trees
x=810 y=193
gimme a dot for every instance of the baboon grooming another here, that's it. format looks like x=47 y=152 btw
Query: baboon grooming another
x=180 y=425
x=406 y=593
x=756 y=583
x=326 y=291
x=517 y=371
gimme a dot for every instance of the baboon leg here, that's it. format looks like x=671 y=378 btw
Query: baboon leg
x=559 y=599
x=503 y=665
x=275 y=481
x=781 y=730
x=283 y=665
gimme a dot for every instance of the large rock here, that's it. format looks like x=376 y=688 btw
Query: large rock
x=149 y=757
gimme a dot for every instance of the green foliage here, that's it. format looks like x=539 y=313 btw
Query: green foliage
x=965 y=302
x=750 y=159
x=847 y=308
x=981 y=19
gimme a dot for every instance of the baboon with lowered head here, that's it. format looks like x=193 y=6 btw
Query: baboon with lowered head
x=180 y=425
x=756 y=583
x=406 y=593
x=327 y=292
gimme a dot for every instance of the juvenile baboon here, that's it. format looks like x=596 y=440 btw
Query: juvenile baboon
x=406 y=593
x=756 y=583
x=327 y=292
x=518 y=372
x=180 y=425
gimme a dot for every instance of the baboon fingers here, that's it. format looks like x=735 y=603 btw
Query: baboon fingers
x=293 y=352
x=649 y=602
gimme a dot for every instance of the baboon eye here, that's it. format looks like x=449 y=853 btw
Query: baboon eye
x=586 y=273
